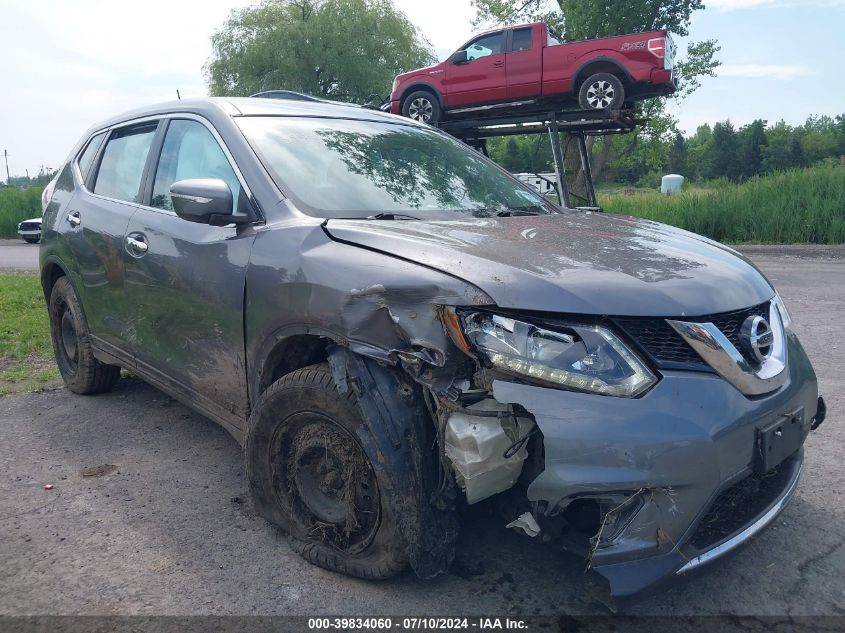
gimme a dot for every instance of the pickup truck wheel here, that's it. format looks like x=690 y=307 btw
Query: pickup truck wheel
x=422 y=106
x=310 y=476
x=81 y=372
x=601 y=91
x=31 y=240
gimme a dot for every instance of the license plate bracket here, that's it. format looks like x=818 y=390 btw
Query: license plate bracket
x=778 y=440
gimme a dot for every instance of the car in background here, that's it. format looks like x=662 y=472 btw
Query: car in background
x=30 y=230
x=524 y=65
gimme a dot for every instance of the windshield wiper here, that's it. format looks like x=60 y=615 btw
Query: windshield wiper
x=392 y=216
x=512 y=212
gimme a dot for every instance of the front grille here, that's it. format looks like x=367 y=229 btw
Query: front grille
x=30 y=226
x=739 y=505
x=669 y=350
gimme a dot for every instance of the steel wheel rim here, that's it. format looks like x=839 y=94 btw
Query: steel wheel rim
x=68 y=337
x=332 y=486
x=600 y=94
x=421 y=110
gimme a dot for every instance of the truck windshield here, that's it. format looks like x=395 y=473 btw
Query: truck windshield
x=339 y=168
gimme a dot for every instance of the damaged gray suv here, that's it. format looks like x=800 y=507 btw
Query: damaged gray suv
x=394 y=327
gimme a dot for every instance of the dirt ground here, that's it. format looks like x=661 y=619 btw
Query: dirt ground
x=150 y=514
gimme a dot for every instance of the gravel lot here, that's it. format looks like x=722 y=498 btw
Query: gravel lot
x=172 y=530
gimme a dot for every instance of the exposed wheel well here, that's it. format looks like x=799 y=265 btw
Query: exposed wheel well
x=290 y=354
x=600 y=66
x=424 y=87
x=49 y=276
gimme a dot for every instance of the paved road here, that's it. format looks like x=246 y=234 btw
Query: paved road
x=18 y=255
x=172 y=530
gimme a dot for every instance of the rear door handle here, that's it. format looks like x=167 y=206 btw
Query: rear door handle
x=74 y=219
x=136 y=244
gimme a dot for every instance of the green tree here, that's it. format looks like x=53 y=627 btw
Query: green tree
x=337 y=49
x=752 y=141
x=678 y=153
x=724 y=163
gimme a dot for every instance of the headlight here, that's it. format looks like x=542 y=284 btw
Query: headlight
x=582 y=357
x=785 y=319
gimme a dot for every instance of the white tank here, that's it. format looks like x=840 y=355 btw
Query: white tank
x=671 y=183
x=476 y=447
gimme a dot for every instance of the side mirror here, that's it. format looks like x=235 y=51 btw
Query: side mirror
x=204 y=200
x=459 y=57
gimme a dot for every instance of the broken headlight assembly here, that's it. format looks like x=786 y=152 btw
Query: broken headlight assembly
x=588 y=358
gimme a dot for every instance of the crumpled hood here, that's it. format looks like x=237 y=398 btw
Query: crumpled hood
x=587 y=263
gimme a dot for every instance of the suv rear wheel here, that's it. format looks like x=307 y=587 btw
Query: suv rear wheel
x=601 y=91
x=81 y=372
x=310 y=476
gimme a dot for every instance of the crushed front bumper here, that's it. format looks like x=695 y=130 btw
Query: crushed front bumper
x=677 y=449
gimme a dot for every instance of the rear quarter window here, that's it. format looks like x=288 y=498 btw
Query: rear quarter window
x=521 y=40
x=86 y=158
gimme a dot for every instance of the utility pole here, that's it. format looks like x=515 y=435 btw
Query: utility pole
x=6 y=156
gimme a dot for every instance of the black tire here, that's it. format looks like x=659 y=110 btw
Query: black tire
x=310 y=476
x=601 y=91
x=81 y=372
x=422 y=106
x=32 y=240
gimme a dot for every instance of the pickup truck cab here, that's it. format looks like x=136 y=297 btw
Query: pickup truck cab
x=519 y=64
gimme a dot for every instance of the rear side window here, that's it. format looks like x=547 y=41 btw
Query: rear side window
x=521 y=40
x=87 y=156
x=190 y=151
x=122 y=165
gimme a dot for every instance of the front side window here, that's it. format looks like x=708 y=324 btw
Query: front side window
x=87 y=156
x=521 y=39
x=486 y=45
x=336 y=168
x=190 y=151
x=122 y=165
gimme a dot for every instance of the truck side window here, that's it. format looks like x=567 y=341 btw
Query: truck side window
x=521 y=40
x=491 y=44
x=122 y=165
x=190 y=151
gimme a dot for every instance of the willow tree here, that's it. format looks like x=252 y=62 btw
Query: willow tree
x=336 y=49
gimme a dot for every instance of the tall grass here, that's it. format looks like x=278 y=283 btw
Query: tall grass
x=801 y=206
x=16 y=205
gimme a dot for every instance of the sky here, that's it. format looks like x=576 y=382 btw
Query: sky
x=67 y=64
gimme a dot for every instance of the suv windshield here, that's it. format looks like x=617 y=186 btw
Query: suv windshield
x=339 y=168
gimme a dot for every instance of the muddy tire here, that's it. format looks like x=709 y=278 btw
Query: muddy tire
x=81 y=372
x=310 y=476
x=601 y=91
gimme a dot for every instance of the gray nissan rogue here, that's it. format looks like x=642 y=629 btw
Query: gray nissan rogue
x=393 y=327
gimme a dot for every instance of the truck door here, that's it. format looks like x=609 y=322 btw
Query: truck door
x=524 y=64
x=482 y=78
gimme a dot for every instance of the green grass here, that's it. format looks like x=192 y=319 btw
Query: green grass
x=16 y=205
x=796 y=207
x=26 y=355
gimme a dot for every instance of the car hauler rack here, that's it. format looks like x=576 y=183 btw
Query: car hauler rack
x=576 y=124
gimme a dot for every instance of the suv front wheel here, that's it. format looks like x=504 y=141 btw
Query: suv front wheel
x=309 y=475
x=81 y=372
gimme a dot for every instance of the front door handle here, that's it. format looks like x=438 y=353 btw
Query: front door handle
x=74 y=219
x=136 y=244
x=498 y=63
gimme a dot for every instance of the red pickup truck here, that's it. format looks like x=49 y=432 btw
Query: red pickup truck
x=524 y=64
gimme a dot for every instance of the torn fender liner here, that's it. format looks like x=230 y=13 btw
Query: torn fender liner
x=393 y=440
